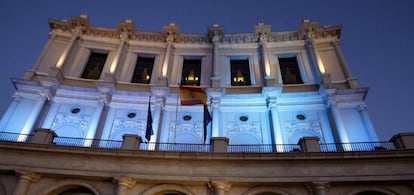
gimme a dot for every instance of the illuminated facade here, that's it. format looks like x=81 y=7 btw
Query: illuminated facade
x=263 y=88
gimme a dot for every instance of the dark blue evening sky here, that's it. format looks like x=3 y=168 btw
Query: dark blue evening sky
x=377 y=37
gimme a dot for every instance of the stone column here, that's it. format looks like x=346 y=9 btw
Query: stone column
x=269 y=77
x=124 y=35
x=351 y=80
x=275 y=122
x=319 y=188
x=9 y=113
x=26 y=178
x=325 y=77
x=215 y=131
x=220 y=187
x=34 y=115
x=77 y=31
x=157 y=117
x=215 y=32
x=123 y=185
x=94 y=124
x=338 y=122
x=367 y=123
x=163 y=80
x=215 y=78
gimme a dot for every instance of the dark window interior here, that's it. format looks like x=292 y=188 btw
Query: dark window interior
x=143 y=70
x=191 y=74
x=94 y=66
x=240 y=72
x=290 y=71
x=77 y=191
x=370 y=193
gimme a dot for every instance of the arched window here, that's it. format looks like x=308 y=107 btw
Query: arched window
x=370 y=193
x=268 y=193
x=78 y=190
x=171 y=193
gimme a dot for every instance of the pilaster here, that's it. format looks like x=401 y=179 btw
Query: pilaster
x=319 y=187
x=26 y=178
x=123 y=185
x=220 y=187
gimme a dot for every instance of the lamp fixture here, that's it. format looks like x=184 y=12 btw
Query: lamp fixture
x=239 y=78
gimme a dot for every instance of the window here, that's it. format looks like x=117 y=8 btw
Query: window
x=94 y=66
x=290 y=70
x=191 y=72
x=240 y=72
x=143 y=70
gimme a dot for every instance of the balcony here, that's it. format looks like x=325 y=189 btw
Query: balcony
x=219 y=144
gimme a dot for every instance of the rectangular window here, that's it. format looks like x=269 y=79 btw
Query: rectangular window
x=191 y=72
x=290 y=70
x=240 y=72
x=143 y=70
x=94 y=66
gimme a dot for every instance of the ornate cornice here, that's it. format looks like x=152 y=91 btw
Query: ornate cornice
x=172 y=32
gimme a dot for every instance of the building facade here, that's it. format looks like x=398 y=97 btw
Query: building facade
x=266 y=92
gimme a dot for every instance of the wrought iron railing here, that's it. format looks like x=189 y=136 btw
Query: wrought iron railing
x=175 y=147
x=84 y=142
x=15 y=137
x=263 y=148
x=357 y=146
x=185 y=147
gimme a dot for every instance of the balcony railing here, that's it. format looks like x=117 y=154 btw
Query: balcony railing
x=15 y=137
x=357 y=146
x=264 y=148
x=185 y=147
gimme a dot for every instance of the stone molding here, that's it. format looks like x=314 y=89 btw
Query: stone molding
x=172 y=31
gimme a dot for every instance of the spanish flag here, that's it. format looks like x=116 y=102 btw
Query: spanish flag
x=192 y=96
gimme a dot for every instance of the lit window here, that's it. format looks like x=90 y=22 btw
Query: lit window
x=191 y=72
x=143 y=70
x=290 y=70
x=240 y=72
x=94 y=66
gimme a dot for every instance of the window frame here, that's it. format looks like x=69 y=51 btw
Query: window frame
x=149 y=73
x=89 y=61
x=186 y=71
x=299 y=67
x=245 y=71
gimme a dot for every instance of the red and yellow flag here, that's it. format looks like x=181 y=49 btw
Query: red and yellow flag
x=192 y=96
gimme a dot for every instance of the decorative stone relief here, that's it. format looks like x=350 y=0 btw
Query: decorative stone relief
x=61 y=119
x=122 y=124
x=195 y=128
x=235 y=128
x=313 y=127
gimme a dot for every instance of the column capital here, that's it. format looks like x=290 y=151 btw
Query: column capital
x=272 y=102
x=29 y=176
x=125 y=181
x=224 y=185
x=319 y=187
x=362 y=107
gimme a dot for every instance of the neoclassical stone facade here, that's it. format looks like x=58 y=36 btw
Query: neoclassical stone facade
x=287 y=116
